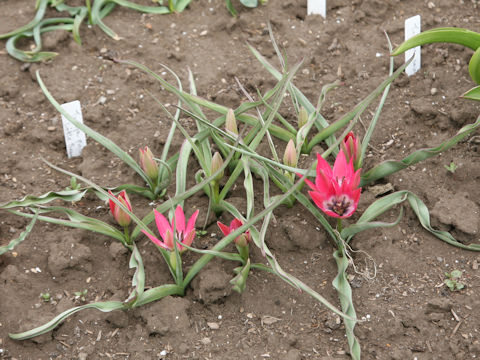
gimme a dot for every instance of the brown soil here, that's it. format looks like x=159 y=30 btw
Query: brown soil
x=408 y=312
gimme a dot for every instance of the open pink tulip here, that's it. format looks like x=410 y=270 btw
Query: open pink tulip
x=242 y=239
x=184 y=233
x=120 y=216
x=336 y=191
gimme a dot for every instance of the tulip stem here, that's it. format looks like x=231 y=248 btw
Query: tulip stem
x=339 y=225
x=127 y=235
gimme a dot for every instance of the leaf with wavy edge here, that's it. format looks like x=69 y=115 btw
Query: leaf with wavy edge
x=29 y=200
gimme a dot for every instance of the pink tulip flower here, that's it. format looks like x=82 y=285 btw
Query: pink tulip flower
x=119 y=215
x=336 y=191
x=184 y=233
x=243 y=239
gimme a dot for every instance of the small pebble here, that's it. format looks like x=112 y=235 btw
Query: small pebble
x=475 y=265
x=433 y=91
x=213 y=325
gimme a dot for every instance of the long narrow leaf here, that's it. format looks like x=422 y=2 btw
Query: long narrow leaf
x=30 y=200
x=22 y=237
x=341 y=284
x=52 y=324
x=138 y=279
x=42 y=6
x=392 y=166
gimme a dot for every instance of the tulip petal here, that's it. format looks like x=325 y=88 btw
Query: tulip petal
x=162 y=224
x=179 y=220
x=155 y=240
x=169 y=239
x=235 y=224
x=191 y=222
x=112 y=203
x=188 y=238
x=323 y=165
x=341 y=166
x=224 y=228
x=319 y=199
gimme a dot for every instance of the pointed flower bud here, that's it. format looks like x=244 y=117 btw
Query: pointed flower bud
x=122 y=218
x=231 y=122
x=148 y=163
x=302 y=117
x=290 y=156
x=217 y=163
x=241 y=240
x=351 y=148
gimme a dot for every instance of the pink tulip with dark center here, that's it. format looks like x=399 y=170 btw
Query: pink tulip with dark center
x=336 y=191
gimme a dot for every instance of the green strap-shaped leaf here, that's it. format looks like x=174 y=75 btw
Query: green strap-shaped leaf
x=159 y=292
x=392 y=166
x=239 y=282
x=348 y=232
x=249 y=3
x=41 y=8
x=138 y=279
x=453 y=35
x=52 y=324
x=472 y=94
x=221 y=254
x=23 y=236
x=77 y=220
x=30 y=200
x=385 y=203
x=341 y=284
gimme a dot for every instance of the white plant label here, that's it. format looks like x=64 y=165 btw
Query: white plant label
x=317 y=7
x=75 y=138
x=412 y=28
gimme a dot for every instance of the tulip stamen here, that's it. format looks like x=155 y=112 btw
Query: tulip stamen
x=339 y=206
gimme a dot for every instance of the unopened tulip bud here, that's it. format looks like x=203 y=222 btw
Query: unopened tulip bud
x=242 y=240
x=231 y=122
x=122 y=218
x=351 y=147
x=148 y=163
x=290 y=156
x=302 y=117
x=217 y=163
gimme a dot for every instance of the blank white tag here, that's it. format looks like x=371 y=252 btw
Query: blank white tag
x=412 y=28
x=317 y=7
x=75 y=138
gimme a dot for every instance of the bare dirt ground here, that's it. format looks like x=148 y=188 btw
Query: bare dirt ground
x=409 y=313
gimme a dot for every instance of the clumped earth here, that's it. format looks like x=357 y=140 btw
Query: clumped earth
x=407 y=310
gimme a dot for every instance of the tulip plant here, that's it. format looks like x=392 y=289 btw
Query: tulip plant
x=334 y=192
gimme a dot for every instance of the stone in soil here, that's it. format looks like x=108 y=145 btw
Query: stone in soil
x=459 y=211
x=167 y=317
x=68 y=254
x=212 y=284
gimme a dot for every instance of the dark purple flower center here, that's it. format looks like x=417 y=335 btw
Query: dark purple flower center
x=339 y=206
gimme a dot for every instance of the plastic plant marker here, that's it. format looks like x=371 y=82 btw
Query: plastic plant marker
x=412 y=28
x=75 y=139
x=317 y=7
